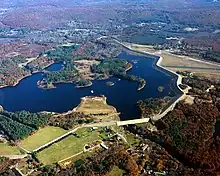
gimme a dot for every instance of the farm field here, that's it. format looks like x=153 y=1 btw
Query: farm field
x=69 y=146
x=6 y=149
x=42 y=137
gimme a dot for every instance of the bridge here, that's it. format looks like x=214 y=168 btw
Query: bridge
x=131 y=122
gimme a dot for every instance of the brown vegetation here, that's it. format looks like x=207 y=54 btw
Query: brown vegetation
x=151 y=106
x=102 y=163
x=5 y=163
x=68 y=121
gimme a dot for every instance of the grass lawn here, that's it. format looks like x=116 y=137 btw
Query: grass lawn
x=6 y=149
x=41 y=137
x=69 y=146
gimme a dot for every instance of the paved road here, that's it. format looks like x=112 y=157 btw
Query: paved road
x=15 y=156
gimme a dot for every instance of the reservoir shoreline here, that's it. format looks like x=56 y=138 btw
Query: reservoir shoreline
x=26 y=76
x=38 y=100
x=157 y=65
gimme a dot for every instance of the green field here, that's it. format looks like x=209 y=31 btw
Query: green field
x=41 y=137
x=69 y=146
x=6 y=149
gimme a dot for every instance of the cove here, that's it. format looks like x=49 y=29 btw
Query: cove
x=123 y=95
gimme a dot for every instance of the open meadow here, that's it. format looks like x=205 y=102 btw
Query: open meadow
x=42 y=137
x=6 y=149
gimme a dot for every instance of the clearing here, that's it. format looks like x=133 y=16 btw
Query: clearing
x=69 y=146
x=84 y=68
x=42 y=137
x=21 y=65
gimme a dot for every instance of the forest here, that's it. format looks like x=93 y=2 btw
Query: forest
x=62 y=54
x=21 y=124
x=188 y=133
x=110 y=67
x=189 y=129
x=67 y=74
x=152 y=106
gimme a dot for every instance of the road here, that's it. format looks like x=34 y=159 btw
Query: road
x=15 y=156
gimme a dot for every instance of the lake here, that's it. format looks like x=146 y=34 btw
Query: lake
x=123 y=95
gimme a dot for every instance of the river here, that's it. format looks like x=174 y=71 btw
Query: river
x=123 y=95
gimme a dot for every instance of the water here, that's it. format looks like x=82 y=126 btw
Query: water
x=217 y=129
x=55 y=67
x=123 y=95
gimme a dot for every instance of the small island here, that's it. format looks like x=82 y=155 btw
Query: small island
x=160 y=88
x=109 y=83
x=83 y=83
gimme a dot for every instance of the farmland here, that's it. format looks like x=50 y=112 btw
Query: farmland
x=69 y=146
x=6 y=149
x=41 y=137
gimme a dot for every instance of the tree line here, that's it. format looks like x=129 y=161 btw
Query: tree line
x=21 y=124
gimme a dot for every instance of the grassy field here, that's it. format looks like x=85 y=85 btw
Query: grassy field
x=41 y=137
x=69 y=146
x=210 y=74
x=175 y=60
x=94 y=106
x=6 y=149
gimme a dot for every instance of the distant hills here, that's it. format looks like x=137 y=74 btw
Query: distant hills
x=22 y=3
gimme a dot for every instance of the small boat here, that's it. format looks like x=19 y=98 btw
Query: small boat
x=92 y=91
